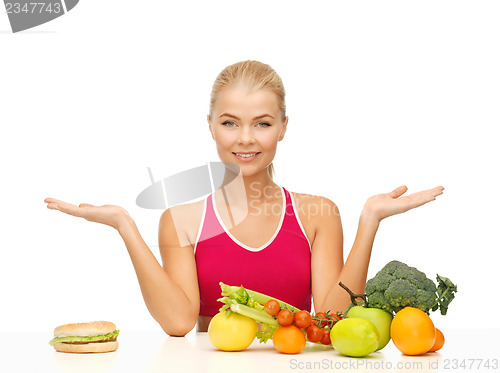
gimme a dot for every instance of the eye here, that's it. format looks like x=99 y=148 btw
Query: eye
x=264 y=124
x=228 y=123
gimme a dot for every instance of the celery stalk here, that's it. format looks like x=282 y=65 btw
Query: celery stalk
x=260 y=316
x=227 y=290
x=262 y=298
x=250 y=303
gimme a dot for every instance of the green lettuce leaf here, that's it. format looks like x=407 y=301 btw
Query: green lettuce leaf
x=85 y=339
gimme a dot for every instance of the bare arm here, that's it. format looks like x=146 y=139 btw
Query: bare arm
x=327 y=267
x=175 y=308
x=353 y=273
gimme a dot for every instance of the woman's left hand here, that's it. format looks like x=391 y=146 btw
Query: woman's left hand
x=384 y=205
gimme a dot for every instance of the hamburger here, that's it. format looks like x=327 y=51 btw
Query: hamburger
x=95 y=336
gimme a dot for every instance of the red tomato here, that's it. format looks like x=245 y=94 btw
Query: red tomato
x=302 y=319
x=321 y=316
x=272 y=307
x=335 y=317
x=325 y=337
x=314 y=334
x=285 y=317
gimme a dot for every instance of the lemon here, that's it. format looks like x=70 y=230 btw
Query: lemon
x=232 y=333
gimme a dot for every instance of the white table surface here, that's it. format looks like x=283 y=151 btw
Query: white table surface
x=157 y=352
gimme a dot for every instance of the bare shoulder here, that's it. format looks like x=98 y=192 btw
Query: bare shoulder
x=315 y=212
x=185 y=219
x=315 y=206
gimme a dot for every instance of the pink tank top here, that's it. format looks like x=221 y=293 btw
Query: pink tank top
x=280 y=268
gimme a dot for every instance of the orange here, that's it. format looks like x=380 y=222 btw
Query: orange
x=439 y=341
x=289 y=339
x=413 y=331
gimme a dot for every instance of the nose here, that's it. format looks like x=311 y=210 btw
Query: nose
x=246 y=135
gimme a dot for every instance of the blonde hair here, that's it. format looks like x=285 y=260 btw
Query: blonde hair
x=253 y=75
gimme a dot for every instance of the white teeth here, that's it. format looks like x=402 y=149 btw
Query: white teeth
x=245 y=155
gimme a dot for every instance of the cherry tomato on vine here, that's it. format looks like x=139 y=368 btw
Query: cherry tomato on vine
x=314 y=334
x=321 y=316
x=272 y=307
x=285 y=317
x=325 y=337
x=335 y=317
x=302 y=319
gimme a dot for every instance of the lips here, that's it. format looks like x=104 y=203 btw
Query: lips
x=246 y=156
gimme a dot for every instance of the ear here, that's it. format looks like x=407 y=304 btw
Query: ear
x=283 y=130
x=210 y=126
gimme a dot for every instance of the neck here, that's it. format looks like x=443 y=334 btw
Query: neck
x=254 y=188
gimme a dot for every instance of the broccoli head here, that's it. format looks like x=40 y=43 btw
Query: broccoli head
x=397 y=286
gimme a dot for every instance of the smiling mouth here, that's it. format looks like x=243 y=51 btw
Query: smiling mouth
x=246 y=155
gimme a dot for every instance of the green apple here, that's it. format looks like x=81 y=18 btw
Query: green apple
x=380 y=318
x=354 y=337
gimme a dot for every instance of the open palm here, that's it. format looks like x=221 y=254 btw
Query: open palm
x=106 y=214
x=384 y=205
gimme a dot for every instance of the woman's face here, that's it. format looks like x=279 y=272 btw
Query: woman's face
x=245 y=121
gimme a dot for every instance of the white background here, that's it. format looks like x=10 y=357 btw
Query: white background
x=379 y=94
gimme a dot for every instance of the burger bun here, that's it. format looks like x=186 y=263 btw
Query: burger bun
x=87 y=347
x=84 y=329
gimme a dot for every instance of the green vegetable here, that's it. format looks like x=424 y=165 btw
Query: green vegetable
x=446 y=292
x=397 y=286
x=243 y=296
x=253 y=313
x=85 y=339
x=250 y=303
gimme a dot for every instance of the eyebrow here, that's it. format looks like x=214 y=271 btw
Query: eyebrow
x=235 y=117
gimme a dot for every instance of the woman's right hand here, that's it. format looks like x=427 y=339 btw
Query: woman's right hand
x=110 y=215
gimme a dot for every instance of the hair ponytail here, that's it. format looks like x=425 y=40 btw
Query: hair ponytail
x=270 y=170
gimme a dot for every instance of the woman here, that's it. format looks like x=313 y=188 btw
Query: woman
x=254 y=233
